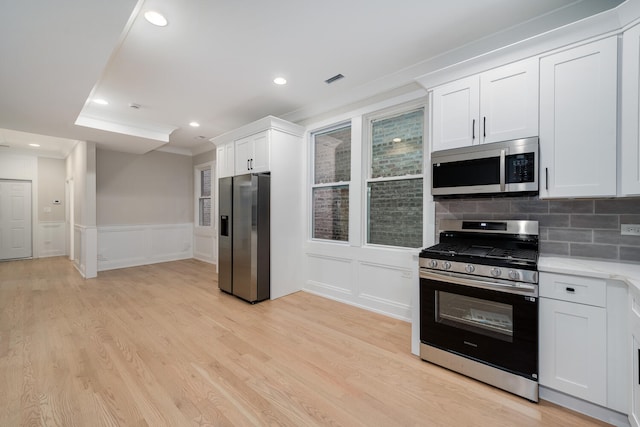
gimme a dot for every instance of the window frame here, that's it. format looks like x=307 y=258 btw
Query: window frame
x=197 y=172
x=313 y=185
x=367 y=158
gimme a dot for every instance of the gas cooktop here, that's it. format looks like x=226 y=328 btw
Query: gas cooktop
x=497 y=249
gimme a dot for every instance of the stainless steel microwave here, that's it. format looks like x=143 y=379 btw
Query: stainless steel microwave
x=496 y=168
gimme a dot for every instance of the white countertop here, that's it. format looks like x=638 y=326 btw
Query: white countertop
x=625 y=272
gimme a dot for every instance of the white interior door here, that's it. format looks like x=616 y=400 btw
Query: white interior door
x=15 y=219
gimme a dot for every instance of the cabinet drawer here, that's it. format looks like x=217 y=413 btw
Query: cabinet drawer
x=578 y=289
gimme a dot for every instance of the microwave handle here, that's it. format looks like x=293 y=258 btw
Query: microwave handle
x=502 y=170
x=473 y=130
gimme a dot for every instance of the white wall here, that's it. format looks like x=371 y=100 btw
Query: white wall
x=50 y=216
x=151 y=188
x=144 y=208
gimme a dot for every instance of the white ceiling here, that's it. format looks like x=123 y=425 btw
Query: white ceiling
x=215 y=61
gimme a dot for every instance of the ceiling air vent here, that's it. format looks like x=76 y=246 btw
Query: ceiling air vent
x=334 y=78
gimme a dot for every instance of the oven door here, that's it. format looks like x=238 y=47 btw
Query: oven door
x=495 y=323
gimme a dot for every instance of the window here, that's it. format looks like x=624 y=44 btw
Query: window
x=330 y=188
x=395 y=181
x=203 y=196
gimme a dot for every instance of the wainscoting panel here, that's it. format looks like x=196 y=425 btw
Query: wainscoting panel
x=205 y=244
x=132 y=245
x=52 y=239
x=330 y=275
x=377 y=279
x=78 y=248
x=386 y=288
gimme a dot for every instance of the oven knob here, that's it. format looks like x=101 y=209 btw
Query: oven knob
x=496 y=272
x=469 y=268
x=514 y=275
x=433 y=263
x=447 y=265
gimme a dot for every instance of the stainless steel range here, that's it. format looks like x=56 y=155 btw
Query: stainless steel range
x=479 y=302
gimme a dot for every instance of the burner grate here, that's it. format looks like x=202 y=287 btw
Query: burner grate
x=445 y=248
x=515 y=254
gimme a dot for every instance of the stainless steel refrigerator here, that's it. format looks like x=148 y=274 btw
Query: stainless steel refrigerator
x=244 y=236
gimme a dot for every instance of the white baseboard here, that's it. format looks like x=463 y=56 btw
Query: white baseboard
x=132 y=245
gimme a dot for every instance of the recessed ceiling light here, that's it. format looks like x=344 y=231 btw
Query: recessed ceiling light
x=100 y=101
x=397 y=139
x=194 y=124
x=155 y=18
x=280 y=81
x=34 y=145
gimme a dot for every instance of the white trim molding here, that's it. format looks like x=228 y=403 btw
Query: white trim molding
x=85 y=243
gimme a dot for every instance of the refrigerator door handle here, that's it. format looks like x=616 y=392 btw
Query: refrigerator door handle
x=224 y=225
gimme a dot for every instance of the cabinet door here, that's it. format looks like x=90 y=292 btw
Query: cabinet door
x=634 y=409
x=573 y=349
x=229 y=159
x=634 y=348
x=224 y=160
x=243 y=154
x=630 y=116
x=220 y=162
x=509 y=102
x=456 y=108
x=261 y=151
x=578 y=89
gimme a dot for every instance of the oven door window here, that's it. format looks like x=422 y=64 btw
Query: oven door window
x=489 y=318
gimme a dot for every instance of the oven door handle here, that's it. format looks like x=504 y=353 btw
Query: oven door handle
x=512 y=287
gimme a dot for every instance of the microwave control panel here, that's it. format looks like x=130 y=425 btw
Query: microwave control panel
x=520 y=168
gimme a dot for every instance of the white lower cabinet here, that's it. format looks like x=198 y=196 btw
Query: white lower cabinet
x=573 y=336
x=634 y=349
x=573 y=349
x=634 y=407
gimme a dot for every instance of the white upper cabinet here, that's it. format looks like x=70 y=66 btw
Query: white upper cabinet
x=225 y=160
x=456 y=108
x=578 y=94
x=252 y=154
x=630 y=114
x=497 y=105
x=509 y=102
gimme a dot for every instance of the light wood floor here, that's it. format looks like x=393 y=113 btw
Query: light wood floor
x=161 y=345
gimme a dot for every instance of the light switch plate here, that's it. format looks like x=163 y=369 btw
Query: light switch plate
x=630 y=229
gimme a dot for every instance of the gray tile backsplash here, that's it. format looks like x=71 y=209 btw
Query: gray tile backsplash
x=573 y=228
